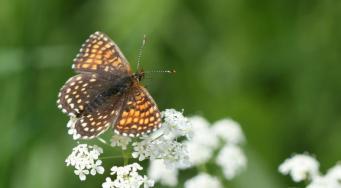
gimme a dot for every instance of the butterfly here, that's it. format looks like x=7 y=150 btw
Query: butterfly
x=105 y=93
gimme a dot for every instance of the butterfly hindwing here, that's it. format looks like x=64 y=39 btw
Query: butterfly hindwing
x=98 y=121
x=100 y=54
x=139 y=115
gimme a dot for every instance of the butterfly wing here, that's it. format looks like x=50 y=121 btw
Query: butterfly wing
x=83 y=96
x=98 y=121
x=139 y=115
x=101 y=55
x=76 y=94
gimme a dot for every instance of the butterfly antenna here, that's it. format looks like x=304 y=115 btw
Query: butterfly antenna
x=140 y=52
x=161 y=71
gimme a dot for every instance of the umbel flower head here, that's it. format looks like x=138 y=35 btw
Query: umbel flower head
x=300 y=167
x=202 y=143
x=225 y=135
x=163 y=144
x=304 y=167
x=159 y=172
x=180 y=143
x=232 y=160
x=85 y=160
x=203 y=180
x=126 y=177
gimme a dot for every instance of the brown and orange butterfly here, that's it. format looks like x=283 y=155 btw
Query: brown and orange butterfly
x=105 y=93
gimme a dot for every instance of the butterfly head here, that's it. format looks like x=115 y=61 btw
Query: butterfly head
x=139 y=75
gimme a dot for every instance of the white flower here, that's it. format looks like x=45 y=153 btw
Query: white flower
x=331 y=180
x=175 y=124
x=232 y=160
x=229 y=131
x=81 y=173
x=202 y=143
x=201 y=133
x=127 y=177
x=125 y=170
x=175 y=155
x=172 y=152
x=324 y=182
x=141 y=149
x=300 y=167
x=96 y=168
x=147 y=182
x=203 y=180
x=335 y=173
x=160 y=173
x=108 y=183
x=198 y=154
x=120 y=141
x=96 y=151
x=71 y=128
x=163 y=144
x=85 y=158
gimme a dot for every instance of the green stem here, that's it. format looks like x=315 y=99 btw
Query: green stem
x=103 y=141
x=125 y=157
x=202 y=168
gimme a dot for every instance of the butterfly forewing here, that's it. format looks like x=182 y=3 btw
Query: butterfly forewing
x=140 y=114
x=100 y=54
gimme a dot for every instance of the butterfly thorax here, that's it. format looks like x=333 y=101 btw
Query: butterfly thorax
x=138 y=76
x=118 y=87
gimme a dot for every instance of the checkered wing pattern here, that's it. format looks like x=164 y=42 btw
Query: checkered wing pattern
x=140 y=114
x=76 y=94
x=98 y=121
x=81 y=97
x=100 y=54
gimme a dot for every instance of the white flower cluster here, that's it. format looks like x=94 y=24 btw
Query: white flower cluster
x=207 y=139
x=179 y=144
x=300 y=167
x=203 y=180
x=164 y=144
x=202 y=142
x=303 y=167
x=120 y=141
x=85 y=160
x=160 y=173
x=232 y=160
x=127 y=177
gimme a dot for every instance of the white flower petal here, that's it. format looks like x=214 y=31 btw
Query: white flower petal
x=229 y=131
x=203 y=180
x=160 y=173
x=232 y=160
x=300 y=167
x=120 y=141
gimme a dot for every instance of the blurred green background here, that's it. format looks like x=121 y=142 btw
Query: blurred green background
x=272 y=65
